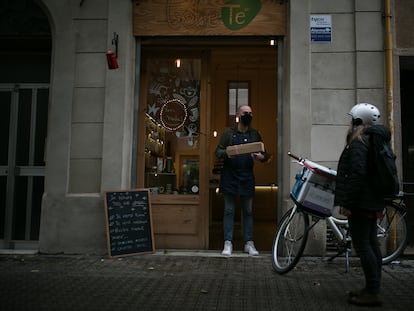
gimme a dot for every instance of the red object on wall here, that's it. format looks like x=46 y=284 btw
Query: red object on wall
x=111 y=58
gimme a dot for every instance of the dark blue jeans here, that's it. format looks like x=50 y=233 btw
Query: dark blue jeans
x=228 y=219
x=365 y=241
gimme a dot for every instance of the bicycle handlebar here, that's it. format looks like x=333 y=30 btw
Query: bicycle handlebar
x=290 y=154
x=313 y=166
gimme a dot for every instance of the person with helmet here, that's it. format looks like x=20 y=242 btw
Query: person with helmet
x=359 y=199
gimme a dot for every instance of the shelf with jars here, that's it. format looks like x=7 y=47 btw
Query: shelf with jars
x=160 y=175
x=154 y=143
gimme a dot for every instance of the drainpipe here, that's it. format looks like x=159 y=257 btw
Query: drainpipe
x=389 y=69
x=389 y=83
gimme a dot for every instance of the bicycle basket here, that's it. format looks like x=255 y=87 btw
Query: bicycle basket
x=314 y=192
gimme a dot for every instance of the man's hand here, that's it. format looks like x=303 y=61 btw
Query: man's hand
x=257 y=156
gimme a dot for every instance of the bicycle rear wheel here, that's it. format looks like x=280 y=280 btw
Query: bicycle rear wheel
x=290 y=240
x=392 y=234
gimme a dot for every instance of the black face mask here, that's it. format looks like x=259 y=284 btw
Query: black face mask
x=246 y=119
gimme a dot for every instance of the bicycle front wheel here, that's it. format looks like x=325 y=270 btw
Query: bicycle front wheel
x=392 y=234
x=290 y=240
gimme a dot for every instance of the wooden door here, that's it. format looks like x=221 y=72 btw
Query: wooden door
x=172 y=159
x=256 y=68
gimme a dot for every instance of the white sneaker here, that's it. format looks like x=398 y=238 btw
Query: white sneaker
x=228 y=248
x=249 y=248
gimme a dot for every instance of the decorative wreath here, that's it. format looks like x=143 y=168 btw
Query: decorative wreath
x=171 y=112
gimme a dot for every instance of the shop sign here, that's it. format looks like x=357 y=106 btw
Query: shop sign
x=207 y=18
x=321 y=28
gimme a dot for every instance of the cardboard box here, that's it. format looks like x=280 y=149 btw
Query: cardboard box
x=245 y=148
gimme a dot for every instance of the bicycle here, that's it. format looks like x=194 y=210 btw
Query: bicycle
x=313 y=195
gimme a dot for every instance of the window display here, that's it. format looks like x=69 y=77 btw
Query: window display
x=172 y=126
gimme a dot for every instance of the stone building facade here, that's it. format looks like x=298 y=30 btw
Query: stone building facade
x=95 y=114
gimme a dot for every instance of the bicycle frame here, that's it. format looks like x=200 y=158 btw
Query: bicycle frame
x=332 y=223
x=336 y=225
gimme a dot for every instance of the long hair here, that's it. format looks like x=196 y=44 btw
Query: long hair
x=356 y=132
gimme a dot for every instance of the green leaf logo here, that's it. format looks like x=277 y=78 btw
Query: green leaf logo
x=237 y=14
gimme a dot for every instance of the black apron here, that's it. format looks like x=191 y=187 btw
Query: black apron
x=237 y=177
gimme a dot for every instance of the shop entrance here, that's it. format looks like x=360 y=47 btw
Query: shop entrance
x=245 y=75
x=186 y=95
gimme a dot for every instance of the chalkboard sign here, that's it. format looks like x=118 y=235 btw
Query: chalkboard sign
x=128 y=222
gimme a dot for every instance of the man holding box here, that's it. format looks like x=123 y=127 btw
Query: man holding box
x=237 y=178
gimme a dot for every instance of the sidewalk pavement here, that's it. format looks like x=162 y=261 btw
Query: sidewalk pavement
x=190 y=280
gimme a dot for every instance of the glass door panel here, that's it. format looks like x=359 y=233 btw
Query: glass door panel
x=238 y=95
x=172 y=125
x=5 y=106
x=23 y=127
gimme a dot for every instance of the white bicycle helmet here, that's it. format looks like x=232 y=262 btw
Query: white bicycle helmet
x=366 y=113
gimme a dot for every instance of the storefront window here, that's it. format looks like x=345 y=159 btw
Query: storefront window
x=238 y=95
x=172 y=126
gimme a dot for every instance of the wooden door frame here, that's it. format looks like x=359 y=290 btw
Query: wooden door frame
x=203 y=51
x=199 y=239
x=249 y=64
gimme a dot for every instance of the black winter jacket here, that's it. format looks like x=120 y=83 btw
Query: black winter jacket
x=354 y=188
